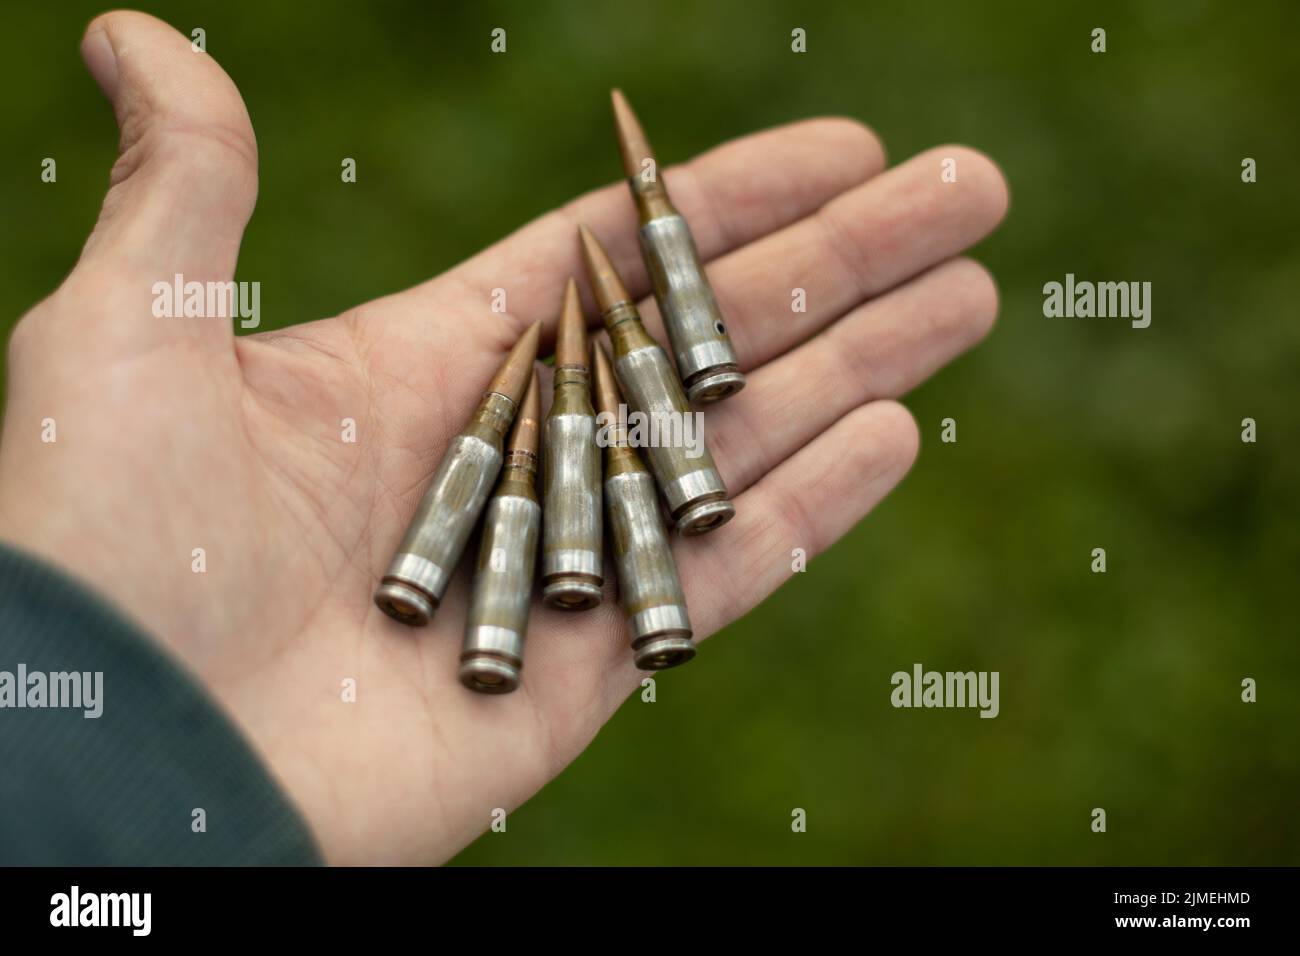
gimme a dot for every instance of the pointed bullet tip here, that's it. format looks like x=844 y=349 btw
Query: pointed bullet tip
x=571 y=335
x=512 y=378
x=524 y=432
x=605 y=280
x=632 y=143
x=591 y=250
x=530 y=338
x=570 y=295
x=604 y=389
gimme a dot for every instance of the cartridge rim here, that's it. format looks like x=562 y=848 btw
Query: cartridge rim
x=572 y=594
x=705 y=517
x=404 y=603
x=660 y=652
x=715 y=386
x=416 y=573
x=488 y=674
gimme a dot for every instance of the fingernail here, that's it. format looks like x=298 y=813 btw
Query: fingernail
x=100 y=59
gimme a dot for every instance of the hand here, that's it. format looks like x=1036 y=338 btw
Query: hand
x=172 y=435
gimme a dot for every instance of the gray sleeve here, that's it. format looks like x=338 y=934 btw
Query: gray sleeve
x=123 y=787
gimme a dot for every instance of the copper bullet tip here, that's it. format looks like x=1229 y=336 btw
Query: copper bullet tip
x=604 y=387
x=525 y=430
x=605 y=282
x=632 y=144
x=571 y=337
x=512 y=378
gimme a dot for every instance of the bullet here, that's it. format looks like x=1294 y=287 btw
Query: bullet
x=648 y=586
x=705 y=358
x=692 y=487
x=493 y=652
x=571 y=526
x=417 y=577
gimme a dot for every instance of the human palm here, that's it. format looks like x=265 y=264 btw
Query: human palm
x=173 y=435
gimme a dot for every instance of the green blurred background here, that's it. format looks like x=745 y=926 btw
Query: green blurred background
x=1119 y=690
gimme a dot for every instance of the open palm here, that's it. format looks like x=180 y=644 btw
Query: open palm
x=173 y=435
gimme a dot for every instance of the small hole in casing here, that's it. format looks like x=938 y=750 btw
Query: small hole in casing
x=720 y=328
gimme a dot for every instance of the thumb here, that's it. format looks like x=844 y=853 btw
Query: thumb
x=185 y=180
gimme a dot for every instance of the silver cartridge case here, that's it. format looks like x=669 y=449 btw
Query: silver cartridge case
x=648 y=587
x=687 y=476
x=571 y=532
x=493 y=653
x=571 y=525
x=701 y=346
x=691 y=486
x=417 y=577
